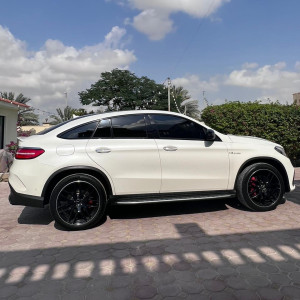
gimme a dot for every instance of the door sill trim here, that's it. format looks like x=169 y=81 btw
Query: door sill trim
x=170 y=197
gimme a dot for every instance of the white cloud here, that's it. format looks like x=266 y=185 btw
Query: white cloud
x=153 y=23
x=154 y=19
x=194 y=84
x=248 y=65
x=273 y=77
x=251 y=82
x=45 y=75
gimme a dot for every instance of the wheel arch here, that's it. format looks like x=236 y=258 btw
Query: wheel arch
x=271 y=161
x=61 y=173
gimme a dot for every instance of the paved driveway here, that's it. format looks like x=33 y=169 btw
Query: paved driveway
x=198 y=250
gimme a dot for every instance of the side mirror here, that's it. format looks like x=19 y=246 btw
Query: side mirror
x=210 y=135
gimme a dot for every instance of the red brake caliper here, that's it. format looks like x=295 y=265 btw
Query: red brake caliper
x=253 y=185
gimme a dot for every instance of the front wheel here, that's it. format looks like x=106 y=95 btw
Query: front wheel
x=260 y=187
x=78 y=201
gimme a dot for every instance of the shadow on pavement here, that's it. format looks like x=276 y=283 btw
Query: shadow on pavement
x=35 y=216
x=195 y=264
x=165 y=209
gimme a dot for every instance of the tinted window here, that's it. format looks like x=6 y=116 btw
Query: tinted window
x=172 y=127
x=80 y=132
x=131 y=126
x=59 y=125
x=103 y=129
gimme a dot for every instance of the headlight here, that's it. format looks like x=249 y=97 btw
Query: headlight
x=280 y=150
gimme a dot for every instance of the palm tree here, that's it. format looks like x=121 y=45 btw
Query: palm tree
x=63 y=115
x=25 y=116
x=184 y=102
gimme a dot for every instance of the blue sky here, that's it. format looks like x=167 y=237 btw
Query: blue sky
x=235 y=50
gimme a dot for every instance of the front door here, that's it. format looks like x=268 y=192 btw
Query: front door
x=189 y=163
x=122 y=148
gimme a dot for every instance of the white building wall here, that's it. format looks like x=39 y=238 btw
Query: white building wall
x=10 y=123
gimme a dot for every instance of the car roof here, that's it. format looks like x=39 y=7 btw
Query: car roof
x=89 y=118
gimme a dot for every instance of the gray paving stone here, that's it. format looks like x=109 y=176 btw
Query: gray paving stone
x=198 y=297
x=145 y=292
x=164 y=278
x=279 y=279
x=183 y=276
x=214 y=285
x=8 y=291
x=267 y=268
x=119 y=281
x=257 y=281
x=181 y=266
x=191 y=287
x=29 y=290
x=222 y=296
x=226 y=271
x=295 y=277
x=170 y=290
x=246 y=295
x=291 y=291
x=270 y=294
x=76 y=285
x=237 y=283
x=207 y=274
x=287 y=267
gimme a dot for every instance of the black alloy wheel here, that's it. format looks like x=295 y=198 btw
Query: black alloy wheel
x=260 y=187
x=264 y=188
x=78 y=201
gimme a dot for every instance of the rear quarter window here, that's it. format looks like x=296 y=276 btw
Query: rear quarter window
x=84 y=131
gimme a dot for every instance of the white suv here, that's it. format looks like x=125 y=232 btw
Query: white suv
x=130 y=157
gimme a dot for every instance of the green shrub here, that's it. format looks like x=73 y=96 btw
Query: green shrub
x=275 y=122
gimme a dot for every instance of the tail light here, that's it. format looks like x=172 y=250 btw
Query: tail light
x=28 y=153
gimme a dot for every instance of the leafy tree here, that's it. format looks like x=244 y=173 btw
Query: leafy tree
x=123 y=90
x=185 y=104
x=82 y=112
x=62 y=115
x=25 y=116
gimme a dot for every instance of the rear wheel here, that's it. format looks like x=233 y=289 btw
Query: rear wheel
x=260 y=187
x=78 y=201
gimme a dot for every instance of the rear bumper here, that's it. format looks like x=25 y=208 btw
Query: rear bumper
x=25 y=200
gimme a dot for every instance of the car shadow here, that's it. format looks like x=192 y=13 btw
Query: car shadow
x=42 y=216
x=168 y=209
x=35 y=216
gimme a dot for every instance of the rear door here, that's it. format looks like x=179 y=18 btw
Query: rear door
x=121 y=147
x=188 y=162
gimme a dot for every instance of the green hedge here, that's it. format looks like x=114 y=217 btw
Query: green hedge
x=274 y=122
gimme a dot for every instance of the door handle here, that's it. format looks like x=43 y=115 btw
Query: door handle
x=170 y=148
x=103 y=150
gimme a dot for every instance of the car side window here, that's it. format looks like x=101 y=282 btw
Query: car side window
x=103 y=130
x=84 y=131
x=173 y=127
x=129 y=126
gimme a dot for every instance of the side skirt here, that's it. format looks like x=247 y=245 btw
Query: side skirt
x=170 y=197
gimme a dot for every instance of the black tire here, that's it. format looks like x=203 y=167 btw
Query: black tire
x=260 y=187
x=78 y=201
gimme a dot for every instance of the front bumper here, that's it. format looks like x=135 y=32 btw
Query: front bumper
x=25 y=200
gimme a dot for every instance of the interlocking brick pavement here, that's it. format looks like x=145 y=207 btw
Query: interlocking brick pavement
x=197 y=250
